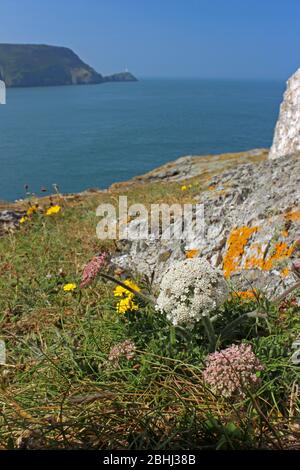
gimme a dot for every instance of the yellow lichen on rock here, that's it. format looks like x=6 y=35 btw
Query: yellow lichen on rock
x=246 y=294
x=285 y=272
x=192 y=253
x=292 y=216
x=237 y=241
x=281 y=250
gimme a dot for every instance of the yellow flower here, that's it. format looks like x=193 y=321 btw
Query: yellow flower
x=32 y=209
x=69 y=287
x=120 y=291
x=185 y=187
x=53 y=210
x=23 y=219
x=126 y=305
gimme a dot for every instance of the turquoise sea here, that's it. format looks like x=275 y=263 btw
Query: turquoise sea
x=91 y=136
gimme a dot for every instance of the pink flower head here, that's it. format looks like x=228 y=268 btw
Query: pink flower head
x=92 y=269
x=229 y=371
x=124 y=350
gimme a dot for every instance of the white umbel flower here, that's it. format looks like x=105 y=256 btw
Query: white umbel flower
x=190 y=290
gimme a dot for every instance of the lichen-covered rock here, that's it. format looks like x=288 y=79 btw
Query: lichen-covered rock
x=287 y=132
x=9 y=220
x=252 y=225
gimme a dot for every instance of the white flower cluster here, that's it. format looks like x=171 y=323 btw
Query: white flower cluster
x=190 y=290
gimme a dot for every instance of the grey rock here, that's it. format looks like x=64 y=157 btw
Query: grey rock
x=256 y=213
x=9 y=220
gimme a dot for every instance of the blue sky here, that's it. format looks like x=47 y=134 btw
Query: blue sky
x=165 y=38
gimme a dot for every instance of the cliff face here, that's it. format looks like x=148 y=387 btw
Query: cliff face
x=287 y=131
x=41 y=65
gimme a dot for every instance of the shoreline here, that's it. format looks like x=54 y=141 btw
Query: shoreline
x=183 y=168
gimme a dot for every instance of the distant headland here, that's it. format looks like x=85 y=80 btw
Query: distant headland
x=29 y=65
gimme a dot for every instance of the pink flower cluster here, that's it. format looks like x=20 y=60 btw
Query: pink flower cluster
x=92 y=269
x=230 y=371
x=124 y=350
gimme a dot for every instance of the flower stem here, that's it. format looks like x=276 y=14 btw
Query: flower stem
x=172 y=336
x=144 y=297
x=210 y=332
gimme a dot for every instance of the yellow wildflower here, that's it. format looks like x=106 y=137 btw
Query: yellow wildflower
x=32 y=209
x=53 y=210
x=120 y=291
x=23 y=219
x=126 y=305
x=186 y=187
x=69 y=287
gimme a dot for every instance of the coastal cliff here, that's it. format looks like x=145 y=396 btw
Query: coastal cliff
x=251 y=208
x=155 y=341
x=287 y=132
x=26 y=65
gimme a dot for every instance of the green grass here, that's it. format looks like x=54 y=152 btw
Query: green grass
x=59 y=390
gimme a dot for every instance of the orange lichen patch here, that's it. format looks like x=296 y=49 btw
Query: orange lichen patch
x=237 y=241
x=281 y=251
x=292 y=216
x=192 y=253
x=258 y=248
x=285 y=233
x=211 y=187
x=285 y=272
x=245 y=295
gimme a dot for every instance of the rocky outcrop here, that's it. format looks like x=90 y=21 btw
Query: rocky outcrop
x=29 y=65
x=9 y=220
x=252 y=228
x=190 y=166
x=121 y=77
x=287 y=132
